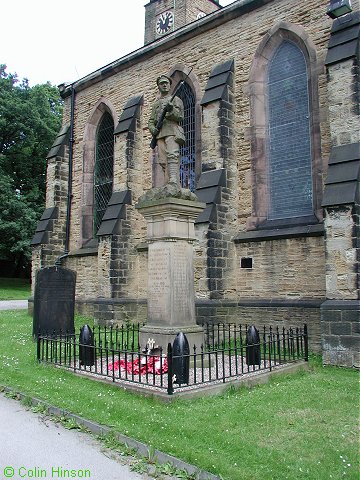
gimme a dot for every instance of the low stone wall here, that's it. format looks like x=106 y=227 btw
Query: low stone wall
x=340 y=322
x=114 y=311
x=278 y=313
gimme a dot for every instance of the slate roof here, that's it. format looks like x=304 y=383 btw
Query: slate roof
x=209 y=191
x=61 y=141
x=44 y=226
x=344 y=39
x=216 y=87
x=343 y=179
x=114 y=212
x=131 y=112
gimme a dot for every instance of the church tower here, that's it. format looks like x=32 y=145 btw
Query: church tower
x=164 y=16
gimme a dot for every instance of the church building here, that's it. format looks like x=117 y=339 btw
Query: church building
x=271 y=98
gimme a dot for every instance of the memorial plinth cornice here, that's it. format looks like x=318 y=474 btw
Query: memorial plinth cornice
x=170 y=205
x=170 y=218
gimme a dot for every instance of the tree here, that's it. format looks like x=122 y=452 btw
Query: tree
x=30 y=118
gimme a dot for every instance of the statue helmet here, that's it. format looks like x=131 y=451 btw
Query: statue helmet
x=163 y=76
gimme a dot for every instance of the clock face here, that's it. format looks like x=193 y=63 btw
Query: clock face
x=164 y=22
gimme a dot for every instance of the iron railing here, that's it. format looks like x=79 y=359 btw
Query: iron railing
x=116 y=354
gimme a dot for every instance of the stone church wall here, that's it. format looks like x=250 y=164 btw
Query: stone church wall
x=278 y=279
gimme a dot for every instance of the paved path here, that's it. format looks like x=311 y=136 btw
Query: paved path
x=13 y=305
x=32 y=446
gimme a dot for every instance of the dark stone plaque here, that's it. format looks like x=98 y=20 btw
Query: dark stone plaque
x=181 y=359
x=54 y=302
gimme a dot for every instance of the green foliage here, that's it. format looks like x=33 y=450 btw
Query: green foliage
x=14 y=288
x=40 y=408
x=30 y=118
x=18 y=219
x=70 y=423
x=26 y=401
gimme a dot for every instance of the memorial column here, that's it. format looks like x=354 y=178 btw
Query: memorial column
x=171 y=294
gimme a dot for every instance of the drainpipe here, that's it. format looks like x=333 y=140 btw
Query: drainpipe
x=69 y=194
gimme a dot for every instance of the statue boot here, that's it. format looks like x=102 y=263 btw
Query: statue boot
x=173 y=169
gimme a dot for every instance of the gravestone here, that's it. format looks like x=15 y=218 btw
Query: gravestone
x=54 y=302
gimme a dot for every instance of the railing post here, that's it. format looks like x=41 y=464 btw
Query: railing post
x=60 y=347
x=38 y=348
x=297 y=332
x=194 y=364
x=207 y=338
x=170 y=388
x=278 y=344
x=264 y=346
x=270 y=347
x=223 y=362
x=74 y=351
x=306 y=343
x=113 y=362
x=284 y=344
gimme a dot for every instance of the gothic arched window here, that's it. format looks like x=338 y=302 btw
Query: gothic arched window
x=104 y=168
x=289 y=140
x=286 y=160
x=188 y=151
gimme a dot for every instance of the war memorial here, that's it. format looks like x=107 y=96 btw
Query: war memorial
x=209 y=181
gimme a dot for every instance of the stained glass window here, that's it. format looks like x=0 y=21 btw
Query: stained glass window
x=103 y=171
x=187 y=152
x=289 y=145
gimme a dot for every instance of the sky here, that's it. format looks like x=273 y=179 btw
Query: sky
x=62 y=41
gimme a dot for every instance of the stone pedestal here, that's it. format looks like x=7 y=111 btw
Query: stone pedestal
x=171 y=296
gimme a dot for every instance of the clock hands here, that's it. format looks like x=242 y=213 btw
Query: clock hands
x=164 y=22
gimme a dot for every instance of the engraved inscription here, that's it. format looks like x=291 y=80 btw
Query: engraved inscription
x=171 y=284
x=183 y=284
x=159 y=282
x=181 y=278
x=54 y=301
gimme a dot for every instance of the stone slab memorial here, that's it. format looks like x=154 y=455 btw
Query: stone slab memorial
x=54 y=302
x=170 y=217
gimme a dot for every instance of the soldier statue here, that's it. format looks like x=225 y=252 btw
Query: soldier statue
x=164 y=124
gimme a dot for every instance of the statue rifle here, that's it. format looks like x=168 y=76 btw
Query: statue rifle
x=164 y=112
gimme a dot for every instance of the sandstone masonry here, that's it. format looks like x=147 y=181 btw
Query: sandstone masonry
x=247 y=269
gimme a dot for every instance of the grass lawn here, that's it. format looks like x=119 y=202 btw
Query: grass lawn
x=303 y=426
x=14 y=288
